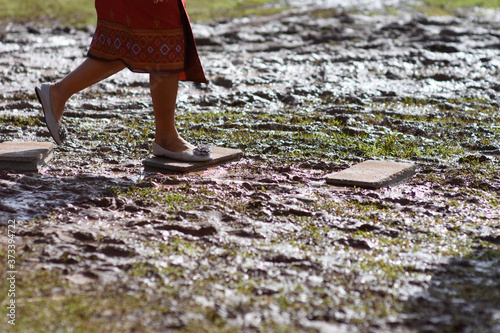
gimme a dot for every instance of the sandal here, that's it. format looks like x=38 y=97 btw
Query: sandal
x=198 y=154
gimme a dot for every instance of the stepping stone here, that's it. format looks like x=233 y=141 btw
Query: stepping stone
x=220 y=156
x=25 y=156
x=494 y=153
x=372 y=174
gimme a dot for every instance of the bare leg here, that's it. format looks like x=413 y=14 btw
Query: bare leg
x=164 y=95
x=88 y=73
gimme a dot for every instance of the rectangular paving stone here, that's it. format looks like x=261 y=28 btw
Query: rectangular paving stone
x=493 y=153
x=25 y=156
x=373 y=174
x=220 y=156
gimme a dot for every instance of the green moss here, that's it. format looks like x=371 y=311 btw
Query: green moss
x=465 y=3
x=325 y=13
x=69 y=11
x=44 y=303
x=79 y=13
x=207 y=11
x=443 y=7
x=20 y=121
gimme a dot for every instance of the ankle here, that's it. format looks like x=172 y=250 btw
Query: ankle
x=167 y=137
x=58 y=103
x=165 y=142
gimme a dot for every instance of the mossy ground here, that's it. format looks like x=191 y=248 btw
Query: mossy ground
x=441 y=7
x=303 y=138
x=82 y=12
x=289 y=249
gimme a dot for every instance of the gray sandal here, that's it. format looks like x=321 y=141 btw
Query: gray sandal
x=198 y=154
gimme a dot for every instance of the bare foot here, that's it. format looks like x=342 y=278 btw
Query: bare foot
x=177 y=145
x=57 y=105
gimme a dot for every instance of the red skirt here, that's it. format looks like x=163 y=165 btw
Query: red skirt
x=147 y=37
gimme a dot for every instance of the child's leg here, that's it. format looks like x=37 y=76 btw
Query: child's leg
x=88 y=73
x=164 y=95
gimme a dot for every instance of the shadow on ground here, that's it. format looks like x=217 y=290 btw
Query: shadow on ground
x=463 y=296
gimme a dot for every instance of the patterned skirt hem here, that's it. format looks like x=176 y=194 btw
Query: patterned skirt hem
x=134 y=69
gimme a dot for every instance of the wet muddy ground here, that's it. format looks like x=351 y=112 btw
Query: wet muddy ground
x=263 y=244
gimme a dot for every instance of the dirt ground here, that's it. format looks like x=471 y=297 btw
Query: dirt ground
x=263 y=244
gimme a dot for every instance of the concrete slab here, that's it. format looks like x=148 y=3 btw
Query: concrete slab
x=373 y=174
x=25 y=156
x=220 y=156
x=493 y=153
